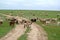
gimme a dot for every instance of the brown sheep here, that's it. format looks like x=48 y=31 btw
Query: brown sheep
x=42 y=20
x=26 y=23
x=33 y=20
x=53 y=20
x=1 y=22
x=12 y=23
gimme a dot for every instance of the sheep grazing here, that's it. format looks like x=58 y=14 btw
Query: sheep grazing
x=12 y=20
x=48 y=22
x=33 y=20
x=17 y=22
x=53 y=20
x=42 y=20
x=12 y=23
x=58 y=23
x=26 y=23
x=48 y=19
x=1 y=22
x=8 y=18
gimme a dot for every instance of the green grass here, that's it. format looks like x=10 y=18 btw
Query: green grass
x=24 y=36
x=53 y=31
x=28 y=13
x=4 y=28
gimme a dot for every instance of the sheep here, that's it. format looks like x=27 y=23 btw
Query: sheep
x=1 y=21
x=58 y=23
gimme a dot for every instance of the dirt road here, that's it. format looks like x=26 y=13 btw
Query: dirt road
x=16 y=32
x=36 y=33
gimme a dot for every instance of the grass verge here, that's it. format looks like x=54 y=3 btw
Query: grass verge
x=4 y=28
x=53 y=31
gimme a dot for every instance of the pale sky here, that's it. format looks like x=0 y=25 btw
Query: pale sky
x=30 y=4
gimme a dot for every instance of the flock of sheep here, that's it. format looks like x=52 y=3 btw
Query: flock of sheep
x=13 y=20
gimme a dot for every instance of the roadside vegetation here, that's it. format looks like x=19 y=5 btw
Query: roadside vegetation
x=52 y=30
x=4 y=28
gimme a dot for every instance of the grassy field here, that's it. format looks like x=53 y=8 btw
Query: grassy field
x=53 y=31
x=28 y=13
x=4 y=29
